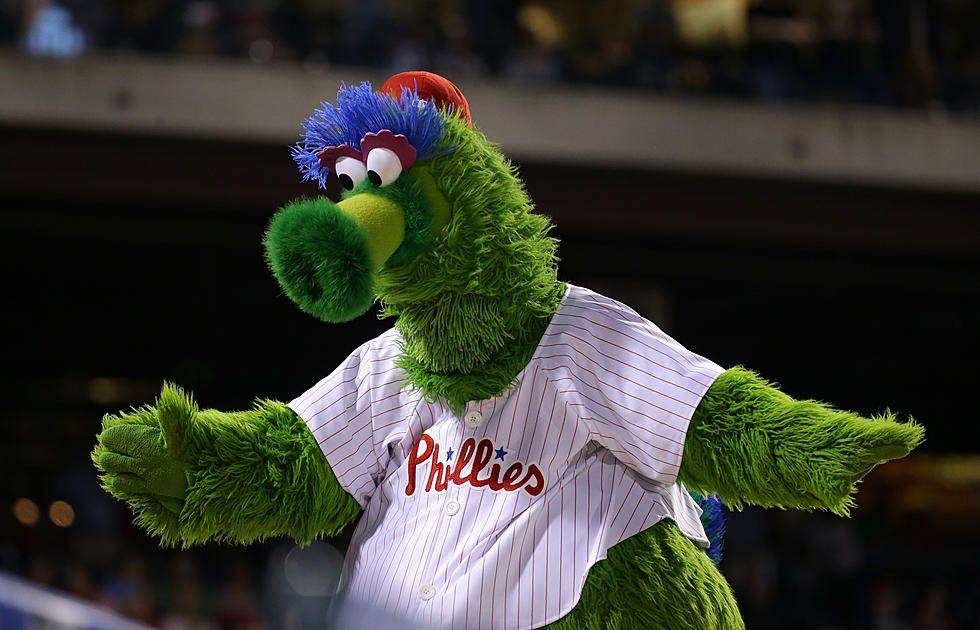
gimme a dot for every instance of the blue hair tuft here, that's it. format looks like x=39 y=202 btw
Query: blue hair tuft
x=360 y=110
x=713 y=521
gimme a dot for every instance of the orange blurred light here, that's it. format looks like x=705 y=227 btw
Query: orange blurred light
x=104 y=390
x=61 y=514
x=712 y=22
x=26 y=512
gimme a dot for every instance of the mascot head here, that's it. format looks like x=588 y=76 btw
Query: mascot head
x=433 y=217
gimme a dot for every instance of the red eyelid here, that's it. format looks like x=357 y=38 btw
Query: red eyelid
x=399 y=144
x=328 y=156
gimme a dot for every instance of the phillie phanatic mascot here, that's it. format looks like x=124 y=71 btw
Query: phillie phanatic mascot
x=518 y=452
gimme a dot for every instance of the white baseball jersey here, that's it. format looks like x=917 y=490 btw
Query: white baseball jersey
x=492 y=520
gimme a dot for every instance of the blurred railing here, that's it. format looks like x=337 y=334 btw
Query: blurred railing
x=240 y=100
x=24 y=605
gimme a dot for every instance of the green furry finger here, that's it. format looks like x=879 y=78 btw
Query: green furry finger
x=136 y=462
x=750 y=443
x=243 y=469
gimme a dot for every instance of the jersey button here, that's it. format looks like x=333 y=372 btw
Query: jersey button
x=452 y=507
x=426 y=592
x=473 y=419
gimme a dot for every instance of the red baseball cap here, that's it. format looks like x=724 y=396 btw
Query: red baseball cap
x=430 y=87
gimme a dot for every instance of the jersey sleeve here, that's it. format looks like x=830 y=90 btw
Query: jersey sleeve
x=339 y=411
x=636 y=388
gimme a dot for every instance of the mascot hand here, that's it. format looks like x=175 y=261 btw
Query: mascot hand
x=883 y=440
x=145 y=452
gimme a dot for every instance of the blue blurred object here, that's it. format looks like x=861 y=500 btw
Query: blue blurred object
x=25 y=606
x=714 y=524
x=53 y=33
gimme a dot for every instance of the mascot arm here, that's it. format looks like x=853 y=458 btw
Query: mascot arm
x=191 y=476
x=748 y=442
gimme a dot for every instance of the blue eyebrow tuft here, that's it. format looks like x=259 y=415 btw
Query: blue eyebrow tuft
x=359 y=110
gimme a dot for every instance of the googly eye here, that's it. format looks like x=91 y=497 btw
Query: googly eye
x=350 y=171
x=383 y=166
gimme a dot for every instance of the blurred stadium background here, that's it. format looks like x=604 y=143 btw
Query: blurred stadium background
x=789 y=185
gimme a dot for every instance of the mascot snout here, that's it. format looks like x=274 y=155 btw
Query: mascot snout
x=326 y=255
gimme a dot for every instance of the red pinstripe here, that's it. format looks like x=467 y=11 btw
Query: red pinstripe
x=629 y=410
x=396 y=550
x=630 y=365
x=617 y=426
x=331 y=390
x=584 y=369
x=620 y=510
x=634 y=318
x=687 y=376
x=468 y=558
x=362 y=395
x=336 y=465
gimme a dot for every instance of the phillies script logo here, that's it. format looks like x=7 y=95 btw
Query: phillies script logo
x=441 y=474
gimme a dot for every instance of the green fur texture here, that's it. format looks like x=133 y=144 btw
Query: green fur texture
x=656 y=580
x=473 y=306
x=748 y=442
x=409 y=194
x=321 y=259
x=137 y=461
x=503 y=351
x=251 y=474
x=473 y=285
x=159 y=517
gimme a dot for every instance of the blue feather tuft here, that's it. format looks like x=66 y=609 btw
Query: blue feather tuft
x=713 y=521
x=359 y=110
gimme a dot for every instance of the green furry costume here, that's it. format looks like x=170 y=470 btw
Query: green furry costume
x=451 y=248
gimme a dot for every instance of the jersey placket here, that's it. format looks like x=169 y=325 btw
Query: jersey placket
x=432 y=588
x=476 y=422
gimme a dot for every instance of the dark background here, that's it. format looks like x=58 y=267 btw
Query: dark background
x=134 y=258
x=143 y=262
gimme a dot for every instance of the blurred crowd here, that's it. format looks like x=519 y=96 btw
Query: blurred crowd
x=206 y=589
x=899 y=53
x=906 y=560
x=881 y=570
